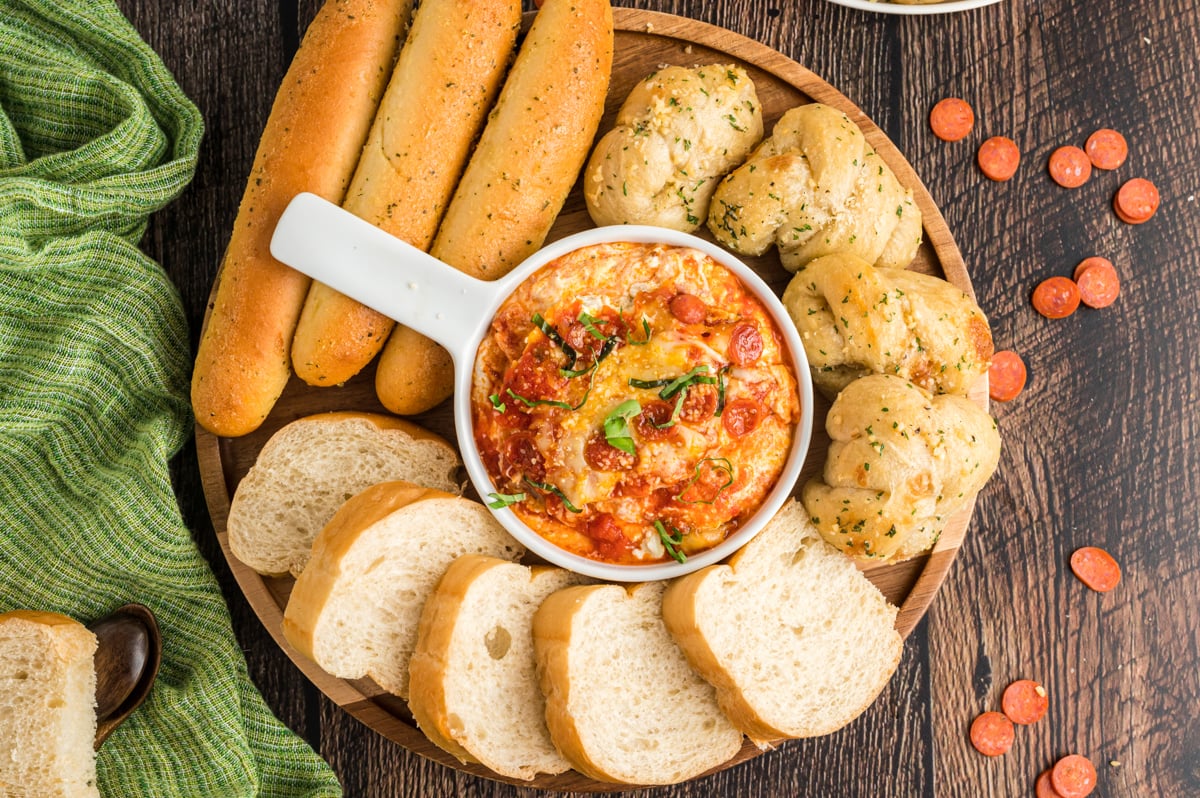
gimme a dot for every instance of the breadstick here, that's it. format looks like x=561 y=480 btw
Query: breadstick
x=528 y=157
x=445 y=81
x=311 y=142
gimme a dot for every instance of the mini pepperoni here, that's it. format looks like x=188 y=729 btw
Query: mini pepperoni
x=1087 y=263
x=700 y=404
x=992 y=734
x=522 y=458
x=688 y=308
x=603 y=456
x=1070 y=167
x=741 y=417
x=745 y=344
x=1025 y=702
x=1056 y=297
x=1098 y=284
x=998 y=157
x=1107 y=149
x=1096 y=568
x=1044 y=787
x=1073 y=776
x=951 y=119
x=650 y=423
x=1136 y=201
x=1006 y=376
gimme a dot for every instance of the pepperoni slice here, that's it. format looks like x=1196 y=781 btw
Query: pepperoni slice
x=522 y=458
x=1025 y=702
x=688 y=308
x=992 y=734
x=654 y=413
x=1087 y=263
x=1096 y=568
x=700 y=404
x=745 y=344
x=1098 y=283
x=1107 y=149
x=1044 y=788
x=951 y=119
x=1073 y=776
x=1056 y=297
x=603 y=456
x=1136 y=201
x=1070 y=167
x=741 y=417
x=998 y=158
x=1006 y=376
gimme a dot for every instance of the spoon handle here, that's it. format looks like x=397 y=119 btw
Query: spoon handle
x=365 y=263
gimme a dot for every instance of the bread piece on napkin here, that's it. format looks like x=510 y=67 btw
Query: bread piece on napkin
x=473 y=686
x=47 y=706
x=855 y=319
x=900 y=463
x=355 y=609
x=310 y=467
x=795 y=639
x=622 y=703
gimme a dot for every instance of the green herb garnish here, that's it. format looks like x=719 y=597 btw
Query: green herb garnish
x=644 y=341
x=721 y=391
x=589 y=323
x=496 y=403
x=691 y=378
x=548 y=488
x=616 y=426
x=671 y=542
x=719 y=464
x=551 y=333
x=504 y=499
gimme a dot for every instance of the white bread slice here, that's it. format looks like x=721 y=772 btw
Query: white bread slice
x=473 y=685
x=622 y=703
x=794 y=637
x=355 y=609
x=310 y=467
x=47 y=706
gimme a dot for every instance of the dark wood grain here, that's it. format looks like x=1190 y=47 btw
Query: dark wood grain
x=1102 y=448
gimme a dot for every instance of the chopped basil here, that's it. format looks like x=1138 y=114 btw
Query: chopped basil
x=548 y=488
x=675 y=412
x=691 y=378
x=721 y=391
x=504 y=499
x=720 y=464
x=644 y=341
x=649 y=383
x=589 y=323
x=671 y=542
x=616 y=426
x=553 y=335
x=496 y=403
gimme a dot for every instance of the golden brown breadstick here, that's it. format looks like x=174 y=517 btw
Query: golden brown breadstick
x=445 y=81
x=528 y=158
x=311 y=142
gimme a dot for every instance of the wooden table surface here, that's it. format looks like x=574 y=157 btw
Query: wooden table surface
x=1102 y=448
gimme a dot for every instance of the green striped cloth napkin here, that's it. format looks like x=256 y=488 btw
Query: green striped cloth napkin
x=94 y=136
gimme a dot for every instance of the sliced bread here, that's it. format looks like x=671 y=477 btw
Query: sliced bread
x=793 y=636
x=622 y=704
x=473 y=685
x=47 y=706
x=311 y=466
x=355 y=608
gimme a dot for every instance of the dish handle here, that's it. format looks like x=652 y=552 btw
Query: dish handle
x=353 y=256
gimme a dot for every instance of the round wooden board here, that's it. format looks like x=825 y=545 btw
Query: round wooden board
x=644 y=42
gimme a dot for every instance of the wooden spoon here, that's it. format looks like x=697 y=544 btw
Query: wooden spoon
x=127 y=658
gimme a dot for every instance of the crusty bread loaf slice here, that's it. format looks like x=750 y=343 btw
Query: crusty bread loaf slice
x=47 y=706
x=794 y=637
x=622 y=704
x=355 y=609
x=473 y=685
x=311 y=466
